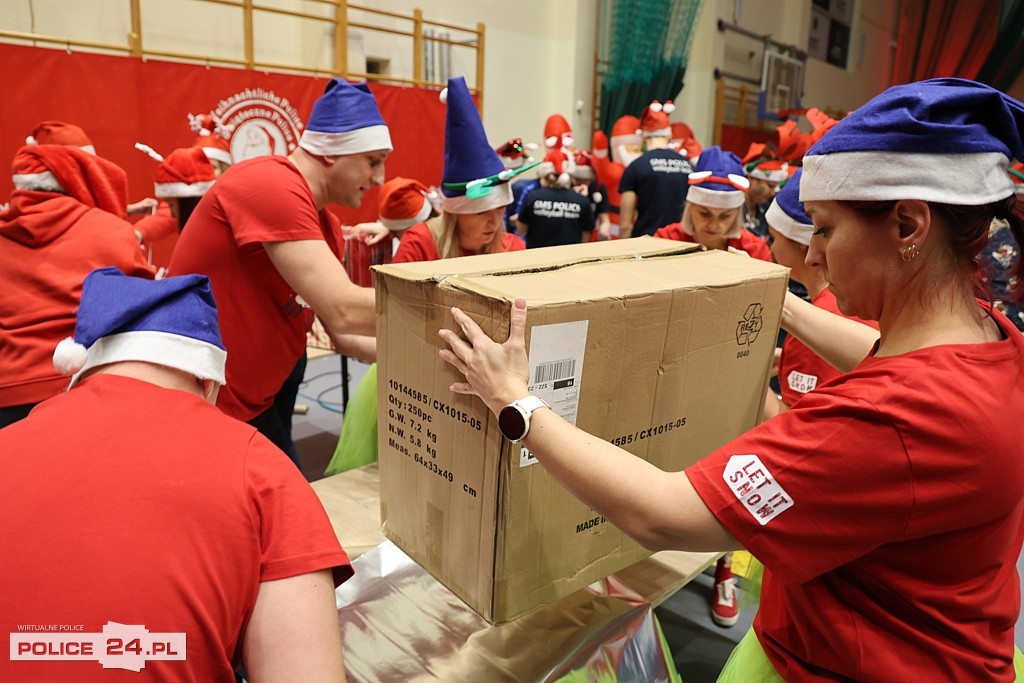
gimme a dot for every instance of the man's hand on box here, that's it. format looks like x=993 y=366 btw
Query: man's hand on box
x=497 y=373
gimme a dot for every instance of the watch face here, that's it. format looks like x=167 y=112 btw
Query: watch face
x=512 y=423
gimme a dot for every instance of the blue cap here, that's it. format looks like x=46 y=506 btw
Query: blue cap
x=170 y=322
x=345 y=120
x=468 y=157
x=718 y=181
x=786 y=214
x=946 y=140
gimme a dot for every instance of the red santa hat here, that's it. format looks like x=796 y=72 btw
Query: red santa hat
x=600 y=145
x=90 y=179
x=513 y=153
x=792 y=143
x=60 y=133
x=404 y=202
x=682 y=140
x=185 y=172
x=558 y=163
x=820 y=121
x=1016 y=172
x=626 y=131
x=583 y=166
x=654 y=121
x=557 y=132
x=761 y=163
x=211 y=136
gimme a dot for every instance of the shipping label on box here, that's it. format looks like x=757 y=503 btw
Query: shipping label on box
x=646 y=343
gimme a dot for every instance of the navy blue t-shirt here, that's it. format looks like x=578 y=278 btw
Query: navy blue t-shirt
x=519 y=189
x=660 y=180
x=555 y=215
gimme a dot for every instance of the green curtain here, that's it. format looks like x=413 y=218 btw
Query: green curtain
x=1006 y=59
x=649 y=49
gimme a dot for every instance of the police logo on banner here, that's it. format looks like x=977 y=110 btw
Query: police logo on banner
x=261 y=123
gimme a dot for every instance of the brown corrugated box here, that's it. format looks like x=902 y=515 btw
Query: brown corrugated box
x=651 y=344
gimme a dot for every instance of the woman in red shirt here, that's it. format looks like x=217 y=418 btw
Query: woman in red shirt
x=887 y=505
x=713 y=215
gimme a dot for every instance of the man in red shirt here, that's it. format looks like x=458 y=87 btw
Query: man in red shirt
x=272 y=251
x=120 y=526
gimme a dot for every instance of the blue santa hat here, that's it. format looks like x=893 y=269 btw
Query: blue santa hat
x=786 y=214
x=946 y=140
x=170 y=322
x=718 y=180
x=345 y=120
x=475 y=178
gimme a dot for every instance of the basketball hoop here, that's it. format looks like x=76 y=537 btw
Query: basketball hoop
x=782 y=84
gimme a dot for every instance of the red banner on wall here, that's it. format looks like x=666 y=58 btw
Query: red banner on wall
x=738 y=140
x=119 y=101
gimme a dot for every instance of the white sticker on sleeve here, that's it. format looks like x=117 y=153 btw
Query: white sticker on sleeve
x=798 y=381
x=755 y=487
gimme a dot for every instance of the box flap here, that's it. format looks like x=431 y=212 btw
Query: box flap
x=533 y=260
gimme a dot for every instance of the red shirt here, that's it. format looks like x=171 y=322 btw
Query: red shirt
x=162 y=513
x=887 y=508
x=747 y=241
x=158 y=225
x=800 y=369
x=262 y=323
x=418 y=245
x=48 y=244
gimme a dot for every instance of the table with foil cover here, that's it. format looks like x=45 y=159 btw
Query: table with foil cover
x=400 y=624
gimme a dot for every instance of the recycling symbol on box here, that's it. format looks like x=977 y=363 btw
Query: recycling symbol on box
x=748 y=328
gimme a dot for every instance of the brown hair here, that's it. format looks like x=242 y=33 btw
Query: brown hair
x=968 y=230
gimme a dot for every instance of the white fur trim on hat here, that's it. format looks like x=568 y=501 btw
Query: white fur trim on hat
x=405 y=223
x=182 y=189
x=195 y=357
x=584 y=171
x=964 y=179
x=217 y=154
x=716 y=199
x=776 y=176
x=783 y=223
x=658 y=133
x=501 y=195
x=39 y=182
x=369 y=139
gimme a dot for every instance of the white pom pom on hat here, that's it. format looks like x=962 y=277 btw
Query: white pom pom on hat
x=69 y=357
x=443 y=96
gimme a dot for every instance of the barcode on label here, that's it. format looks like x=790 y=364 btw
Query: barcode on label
x=555 y=370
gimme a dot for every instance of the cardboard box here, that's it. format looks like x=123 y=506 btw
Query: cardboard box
x=651 y=344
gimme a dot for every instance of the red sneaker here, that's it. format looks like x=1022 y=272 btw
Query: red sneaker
x=725 y=610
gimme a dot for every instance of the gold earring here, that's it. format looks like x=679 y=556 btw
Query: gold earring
x=909 y=254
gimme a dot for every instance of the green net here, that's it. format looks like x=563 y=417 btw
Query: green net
x=648 y=49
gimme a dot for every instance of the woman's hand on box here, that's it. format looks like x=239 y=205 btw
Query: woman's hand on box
x=497 y=373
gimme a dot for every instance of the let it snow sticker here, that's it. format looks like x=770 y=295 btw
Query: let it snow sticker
x=756 y=488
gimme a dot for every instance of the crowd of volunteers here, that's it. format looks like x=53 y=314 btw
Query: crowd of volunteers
x=147 y=454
